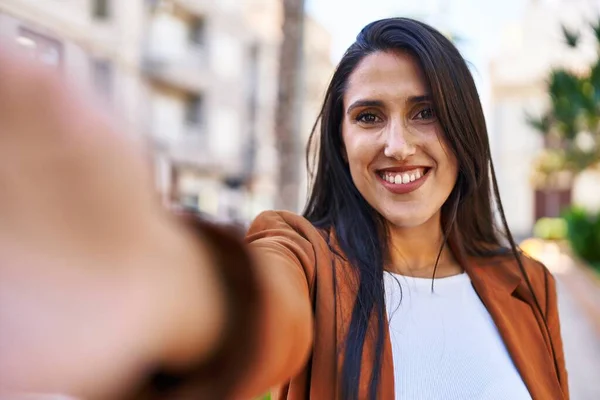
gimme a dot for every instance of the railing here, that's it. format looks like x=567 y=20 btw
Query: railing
x=185 y=70
x=191 y=146
x=193 y=58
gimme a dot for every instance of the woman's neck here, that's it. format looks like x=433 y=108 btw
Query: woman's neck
x=413 y=251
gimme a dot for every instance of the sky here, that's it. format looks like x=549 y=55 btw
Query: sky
x=478 y=23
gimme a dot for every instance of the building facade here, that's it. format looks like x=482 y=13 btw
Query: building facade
x=193 y=57
x=222 y=157
x=198 y=77
x=94 y=42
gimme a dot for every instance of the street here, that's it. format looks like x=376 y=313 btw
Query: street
x=578 y=305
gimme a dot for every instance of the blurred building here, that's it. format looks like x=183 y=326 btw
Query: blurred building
x=213 y=69
x=94 y=42
x=199 y=77
x=265 y=20
x=194 y=57
x=531 y=46
x=318 y=73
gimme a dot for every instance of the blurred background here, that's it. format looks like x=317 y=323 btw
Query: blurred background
x=227 y=92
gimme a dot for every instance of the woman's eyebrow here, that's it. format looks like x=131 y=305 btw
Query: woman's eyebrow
x=364 y=103
x=419 y=99
x=378 y=103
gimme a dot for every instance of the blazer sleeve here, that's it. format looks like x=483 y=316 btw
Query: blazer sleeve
x=285 y=240
x=553 y=321
x=282 y=245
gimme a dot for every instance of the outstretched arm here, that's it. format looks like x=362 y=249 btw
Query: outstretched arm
x=99 y=285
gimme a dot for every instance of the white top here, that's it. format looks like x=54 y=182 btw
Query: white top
x=445 y=344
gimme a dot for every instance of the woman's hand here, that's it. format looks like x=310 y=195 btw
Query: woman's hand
x=97 y=282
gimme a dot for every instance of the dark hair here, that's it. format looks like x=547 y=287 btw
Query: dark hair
x=335 y=204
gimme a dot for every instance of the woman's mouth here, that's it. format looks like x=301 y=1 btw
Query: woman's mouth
x=405 y=181
x=402 y=178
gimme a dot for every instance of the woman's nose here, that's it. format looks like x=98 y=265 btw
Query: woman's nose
x=398 y=144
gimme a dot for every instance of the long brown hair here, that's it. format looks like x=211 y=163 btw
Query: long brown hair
x=468 y=219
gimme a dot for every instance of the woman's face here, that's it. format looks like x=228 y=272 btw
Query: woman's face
x=393 y=142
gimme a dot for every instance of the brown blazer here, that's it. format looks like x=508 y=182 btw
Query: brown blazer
x=295 y=245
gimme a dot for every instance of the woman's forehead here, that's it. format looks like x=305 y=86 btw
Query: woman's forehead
x=386 y=75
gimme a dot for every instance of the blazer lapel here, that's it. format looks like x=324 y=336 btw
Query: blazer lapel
x=509 y=302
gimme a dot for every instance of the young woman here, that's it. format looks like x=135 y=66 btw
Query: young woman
x=402 y=194
x=394 y=284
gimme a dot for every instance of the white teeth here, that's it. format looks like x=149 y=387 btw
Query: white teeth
x=403 y=178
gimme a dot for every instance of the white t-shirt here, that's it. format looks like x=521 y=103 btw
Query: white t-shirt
x=445 y=344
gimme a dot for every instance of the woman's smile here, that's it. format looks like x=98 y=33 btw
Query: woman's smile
x=403 y=180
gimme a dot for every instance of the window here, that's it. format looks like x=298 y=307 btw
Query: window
x=197 y=31
x=45 y=49
x=194 y=114
x=102 y=77
x=101 y=9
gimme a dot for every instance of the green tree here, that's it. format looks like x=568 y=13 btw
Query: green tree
x=571 y=124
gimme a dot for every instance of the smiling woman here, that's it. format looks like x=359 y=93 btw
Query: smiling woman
x=402 y=198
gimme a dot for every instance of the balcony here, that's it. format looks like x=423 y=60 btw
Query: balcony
x=189 y=147
x=197 y=7
x=186 y=70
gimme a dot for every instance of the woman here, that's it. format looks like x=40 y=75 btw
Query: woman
x=394 y=284
x=402 y=190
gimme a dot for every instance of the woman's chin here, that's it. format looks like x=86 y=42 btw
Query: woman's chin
x=410 y=218
x=406 y=222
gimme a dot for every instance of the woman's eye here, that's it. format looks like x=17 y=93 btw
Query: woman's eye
x=425 y=114
x=367 y=118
